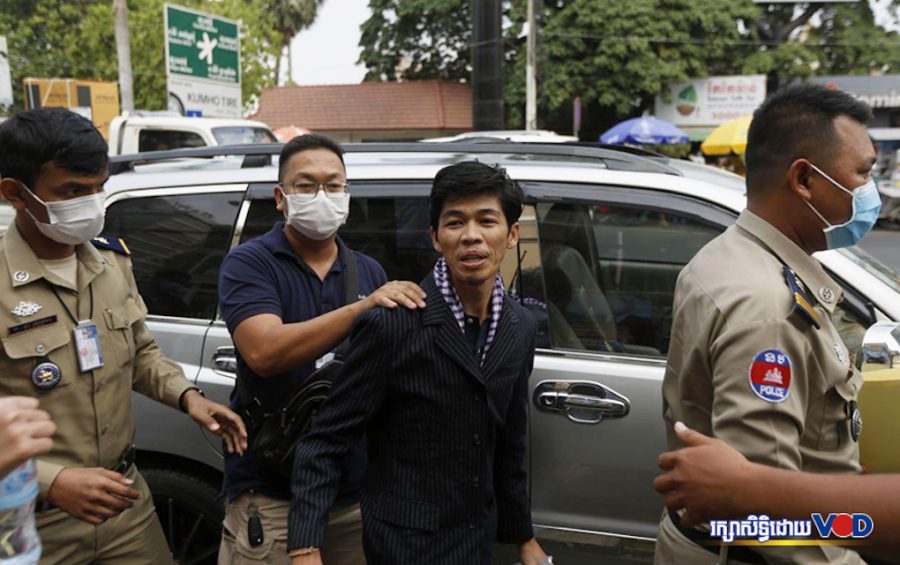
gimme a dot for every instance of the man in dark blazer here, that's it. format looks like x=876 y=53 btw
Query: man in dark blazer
x=442 y=393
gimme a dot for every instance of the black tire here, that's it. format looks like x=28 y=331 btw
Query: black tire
x=191 y=515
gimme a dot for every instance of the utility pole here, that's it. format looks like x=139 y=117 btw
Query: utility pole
x=487 y=66
x=530 y=71
x=123 y=50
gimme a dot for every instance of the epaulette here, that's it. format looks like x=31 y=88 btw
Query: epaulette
x=802 y=305
x=111 y=244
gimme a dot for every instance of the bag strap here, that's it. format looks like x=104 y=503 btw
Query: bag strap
x=351 y=278
x=351 y=295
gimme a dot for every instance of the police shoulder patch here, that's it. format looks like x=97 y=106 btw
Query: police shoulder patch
x=802 y=306
x=770 y=375
x=111 y=244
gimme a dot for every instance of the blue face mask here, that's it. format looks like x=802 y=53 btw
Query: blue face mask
x=866 y=206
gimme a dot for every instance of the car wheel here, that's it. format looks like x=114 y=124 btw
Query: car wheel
x=191 y=515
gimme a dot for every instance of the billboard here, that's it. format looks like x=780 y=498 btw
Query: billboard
x=712 y=101
x=203 y=63
x=95 y=100
x=876 y=91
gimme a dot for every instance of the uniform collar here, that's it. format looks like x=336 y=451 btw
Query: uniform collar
x=818 y=283
x=25 y=267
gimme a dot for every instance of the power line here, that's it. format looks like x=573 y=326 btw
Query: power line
x=725 y=42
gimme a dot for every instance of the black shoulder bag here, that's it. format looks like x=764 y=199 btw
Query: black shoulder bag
x=274 y=434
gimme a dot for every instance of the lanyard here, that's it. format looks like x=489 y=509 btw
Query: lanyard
x=77 y=301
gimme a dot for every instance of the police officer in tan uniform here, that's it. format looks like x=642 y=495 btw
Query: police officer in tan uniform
x=74 y=336
x=754 y=358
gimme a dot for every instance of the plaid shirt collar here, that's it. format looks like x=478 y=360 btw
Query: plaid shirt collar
x=442 y=280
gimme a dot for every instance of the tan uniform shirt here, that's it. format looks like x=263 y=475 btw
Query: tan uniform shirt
x=748 y=367
x=92 y=410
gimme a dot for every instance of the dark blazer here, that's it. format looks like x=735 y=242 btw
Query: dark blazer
x=446 y=473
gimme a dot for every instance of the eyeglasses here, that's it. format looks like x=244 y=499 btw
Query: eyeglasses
x=309 y=187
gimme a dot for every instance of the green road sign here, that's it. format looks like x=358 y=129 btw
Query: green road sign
x=203 y=63
x=202 y=46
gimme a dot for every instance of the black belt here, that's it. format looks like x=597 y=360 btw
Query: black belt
x=738 y=552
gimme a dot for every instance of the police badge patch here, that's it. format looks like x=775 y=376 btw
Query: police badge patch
x=46 y=375
x=770 y=375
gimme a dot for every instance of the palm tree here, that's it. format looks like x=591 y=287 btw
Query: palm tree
x=291 y=17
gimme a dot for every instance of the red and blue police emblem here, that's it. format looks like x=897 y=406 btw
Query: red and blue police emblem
x=770 y=375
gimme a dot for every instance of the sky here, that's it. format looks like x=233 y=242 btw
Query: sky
x=327 y=52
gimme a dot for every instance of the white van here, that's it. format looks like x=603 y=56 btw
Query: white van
x=137 y=133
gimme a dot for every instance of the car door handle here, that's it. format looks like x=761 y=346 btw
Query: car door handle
x=607 y=406
x=225 y=360
x=582 y=402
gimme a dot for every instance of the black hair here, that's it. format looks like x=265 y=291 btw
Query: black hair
x=793 y=123
x=471 y=178
x=33 y=138
x=306 y=142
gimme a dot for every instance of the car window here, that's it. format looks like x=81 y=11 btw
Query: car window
x=393 y=231
x=609 y=274
x=236 y=135
x=177 y=243
x=161 y=140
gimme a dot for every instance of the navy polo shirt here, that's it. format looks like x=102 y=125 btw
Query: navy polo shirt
x=265 y=276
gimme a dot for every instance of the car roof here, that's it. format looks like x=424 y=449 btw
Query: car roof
x=381 y=162
x=175 y=121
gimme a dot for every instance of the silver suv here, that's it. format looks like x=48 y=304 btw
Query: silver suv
x=604 y=236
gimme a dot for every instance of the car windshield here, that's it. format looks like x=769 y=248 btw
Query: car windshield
x=886 y=274
x=239 y=135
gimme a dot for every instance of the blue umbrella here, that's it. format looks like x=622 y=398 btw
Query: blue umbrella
x=645 y=130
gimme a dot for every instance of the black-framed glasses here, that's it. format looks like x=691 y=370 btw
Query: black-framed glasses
x=309 y=187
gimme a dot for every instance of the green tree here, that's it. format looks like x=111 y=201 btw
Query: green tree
x=75 y=39
x=417 y=39
x=290 y=17
x=618 y=55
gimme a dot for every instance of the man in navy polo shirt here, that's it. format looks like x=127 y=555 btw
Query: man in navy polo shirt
x=283 y=298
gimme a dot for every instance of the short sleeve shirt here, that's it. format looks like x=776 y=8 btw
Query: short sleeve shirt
x=755 y=360
x=265 y=276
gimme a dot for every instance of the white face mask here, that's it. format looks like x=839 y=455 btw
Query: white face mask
x=316 y=216
x=72 y=222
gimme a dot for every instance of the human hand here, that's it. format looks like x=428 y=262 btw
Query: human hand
x=92 y=494
x=530 y=553
x=25 y=431
x=314 y=558
x=394 y=293
x=704 y=478
x=218 y=419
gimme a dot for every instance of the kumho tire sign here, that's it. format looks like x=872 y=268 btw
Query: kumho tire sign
x=203 y=63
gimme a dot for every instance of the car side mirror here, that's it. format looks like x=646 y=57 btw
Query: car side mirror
x=881 y=345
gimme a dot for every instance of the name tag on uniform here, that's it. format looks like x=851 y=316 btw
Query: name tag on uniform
x=320 y=362
x=87 y=341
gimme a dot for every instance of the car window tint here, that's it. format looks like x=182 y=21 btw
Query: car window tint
x=393 y=231
x=527 y=284
x=161 y=140
x=177 y=243
x=610 y=272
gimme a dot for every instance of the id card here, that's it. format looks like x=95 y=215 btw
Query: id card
x=88 y=343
